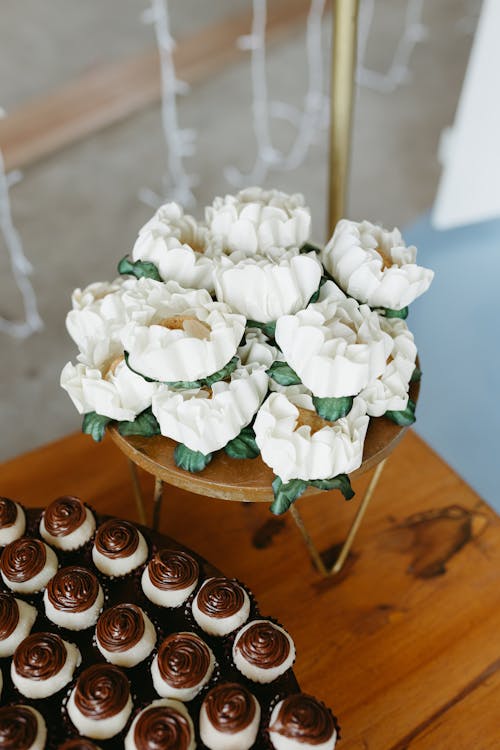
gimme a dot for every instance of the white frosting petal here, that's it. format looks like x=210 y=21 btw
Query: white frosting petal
x=257 y=349
x=117 y=393
x=262 y=289
x=294 y=451
x=9 y=534
x=374 y=265
x=389 y=392
x=254 y=220
x=130 y=743
x=206 y=420
x=189 y=338
x=335 y=346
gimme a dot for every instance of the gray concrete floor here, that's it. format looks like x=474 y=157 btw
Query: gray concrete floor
x=78 y=212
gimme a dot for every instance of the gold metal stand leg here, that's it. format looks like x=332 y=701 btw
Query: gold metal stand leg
x=157 y=502
x=343 y=73
x=346 y=547
x=139 y=502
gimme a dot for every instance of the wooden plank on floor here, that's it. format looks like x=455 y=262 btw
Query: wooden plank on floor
x=109 y=93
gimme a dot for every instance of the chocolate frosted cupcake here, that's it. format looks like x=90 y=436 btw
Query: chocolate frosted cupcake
x=43 y=664
x=22 y=728
x=170 y=577
x=100 y=704
x=299 y=722
x=27 y=565
x=183 y=665
x=73 y=598
x=78 y=743
x=12 y=521
x=125 y=635
x=67 y=524
x=164 y=725
x=262 y=651
x=16 y=620
x=118 y=548
x=220 y=606
x=229 y=718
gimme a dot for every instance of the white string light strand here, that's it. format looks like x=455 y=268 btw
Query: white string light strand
x=20 y=265
x=179 y=142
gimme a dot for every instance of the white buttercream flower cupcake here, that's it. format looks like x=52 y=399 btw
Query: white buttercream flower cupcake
x=67 y=523
x=27 y=565
x=389 y=392
x=43 y=664
x=206 y=419
x=165 y=724
x=100 y=704
x=73 y=598
x=229 y=718
x=16 y=620
x=298 y=444
x=179 y=246
x=263 y=289
x=101 y=310
x=22 y=728
x=300 y=722
x=118 y=548
x=255 y=220
x=170 y=577
x=190 y=338
x=113 y=390
x=125 y=635
x=374 y=265
x=184 y=664
x=263 y=651
x=336 y=346
x=12 y=521
x=220 y=606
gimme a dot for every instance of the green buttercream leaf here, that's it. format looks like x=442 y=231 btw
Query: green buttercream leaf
x=144 y=424
x=286 y=494
x=95 y=425
x=403 y=313
x=223 y=373
x=184 y=385
x=315 y=296
x=340 y=482
x=126 y=358
x=307 y=247
x=283 y=374
x=243 y=445
x=405 y=417
x=416 y=375
x=140 y=269
x=269 y=329
x=189 y=460
x=333 y=408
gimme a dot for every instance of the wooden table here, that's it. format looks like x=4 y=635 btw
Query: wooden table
x=404 y=644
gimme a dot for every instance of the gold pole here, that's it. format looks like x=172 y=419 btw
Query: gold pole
x=157 y=500
x=137 y=493
x=343 y=73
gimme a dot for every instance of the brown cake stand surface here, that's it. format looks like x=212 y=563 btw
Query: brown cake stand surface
x=127 y=589
x=250 y=480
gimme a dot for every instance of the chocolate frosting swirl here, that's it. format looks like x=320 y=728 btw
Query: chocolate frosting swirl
x=263 y=645
x=120 y=627
x=73 y=589
x=23 y=559
x=102 y=691
x=172 y=569
x=162 y=728
x=117 y=538
x=18 y=728
x=8 y=512
x=183 y=660
x=220 y=597
x=9 y=616
x=40 y=656
x=230 y=707
x=64 y=515
x=304 y=719
x=78 y=743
